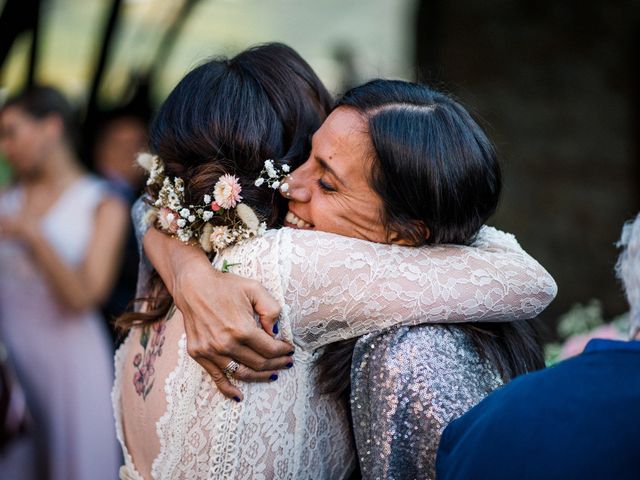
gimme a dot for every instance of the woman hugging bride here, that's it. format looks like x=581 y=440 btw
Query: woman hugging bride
x=392 y=174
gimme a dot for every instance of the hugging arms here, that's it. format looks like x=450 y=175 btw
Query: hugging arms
x=492 y=280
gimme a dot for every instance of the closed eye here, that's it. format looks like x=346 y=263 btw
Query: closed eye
x=325 y=186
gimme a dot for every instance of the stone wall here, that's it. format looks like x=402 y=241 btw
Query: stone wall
x=557 y=84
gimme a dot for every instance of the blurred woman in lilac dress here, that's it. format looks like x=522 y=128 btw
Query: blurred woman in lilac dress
x=60 y=238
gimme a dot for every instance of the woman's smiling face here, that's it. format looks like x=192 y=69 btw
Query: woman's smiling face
x=331 y=192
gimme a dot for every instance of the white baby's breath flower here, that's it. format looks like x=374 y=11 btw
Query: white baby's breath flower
x=184 y=213
x=206 y=216
x=275 y=185
x=207 y=199
x=259 y=182
x=286 y=168
x=191 y=218
x=248 y=217
x=271 y=171
x=284 y=187
x=182 y=222
x=205 y=238
x=184 y=235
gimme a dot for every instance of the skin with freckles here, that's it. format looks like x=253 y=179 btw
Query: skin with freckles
x=330 y=192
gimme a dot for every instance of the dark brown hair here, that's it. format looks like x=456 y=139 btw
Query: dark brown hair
x=40 y=102
x=437 y=172
x=229 y=116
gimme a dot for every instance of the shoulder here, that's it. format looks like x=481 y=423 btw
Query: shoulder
x=488 y=235
x=317 y=241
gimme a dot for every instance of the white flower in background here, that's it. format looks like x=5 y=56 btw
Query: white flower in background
x=206 y=216
x=284 y=187
x=259 y=182
x=227 y=191
x=207 y=199
x=182 y=223
x=184 y=213
x=248 y=216
x=286 y=168
x=205 y=238
x=275 y=185
x=191 y=218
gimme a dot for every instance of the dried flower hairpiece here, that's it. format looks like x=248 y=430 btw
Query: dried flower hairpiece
x=219 y=221
x=273 y=176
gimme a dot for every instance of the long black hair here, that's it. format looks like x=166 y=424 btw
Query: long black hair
x=228 y=116
x=439 y=179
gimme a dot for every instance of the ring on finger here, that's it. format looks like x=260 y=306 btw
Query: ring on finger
x=231 y=368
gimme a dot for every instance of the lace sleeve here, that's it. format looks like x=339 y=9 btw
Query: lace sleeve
x=139 y=216
x=338 y=288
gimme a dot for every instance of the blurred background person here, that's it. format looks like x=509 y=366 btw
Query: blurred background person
x=577 y=419
x=61 y=234
x=121 y=135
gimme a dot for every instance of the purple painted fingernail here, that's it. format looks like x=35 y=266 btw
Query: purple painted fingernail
x=289 y=365
x=237 y=399
x=273 y=377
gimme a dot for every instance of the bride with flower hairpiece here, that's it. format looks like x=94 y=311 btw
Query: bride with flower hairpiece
x=171 y=421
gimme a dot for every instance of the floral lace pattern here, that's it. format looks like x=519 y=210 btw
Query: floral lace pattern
x=331 y=288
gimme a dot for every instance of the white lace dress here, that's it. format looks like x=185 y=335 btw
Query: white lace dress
x=331 y=288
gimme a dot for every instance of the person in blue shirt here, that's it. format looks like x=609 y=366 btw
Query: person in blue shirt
x=578 y=419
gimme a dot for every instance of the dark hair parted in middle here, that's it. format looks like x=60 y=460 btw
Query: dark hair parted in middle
x=439 y=180
x=229 y=116
x=434 y=168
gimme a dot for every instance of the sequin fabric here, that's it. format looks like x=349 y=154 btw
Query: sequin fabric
x=407 y=385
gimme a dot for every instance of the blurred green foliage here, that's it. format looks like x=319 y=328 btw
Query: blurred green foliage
x=5 y=172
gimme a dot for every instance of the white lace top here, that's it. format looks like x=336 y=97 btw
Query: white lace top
x=331 y=288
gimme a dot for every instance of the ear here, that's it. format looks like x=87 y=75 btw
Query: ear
x=411 y=233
